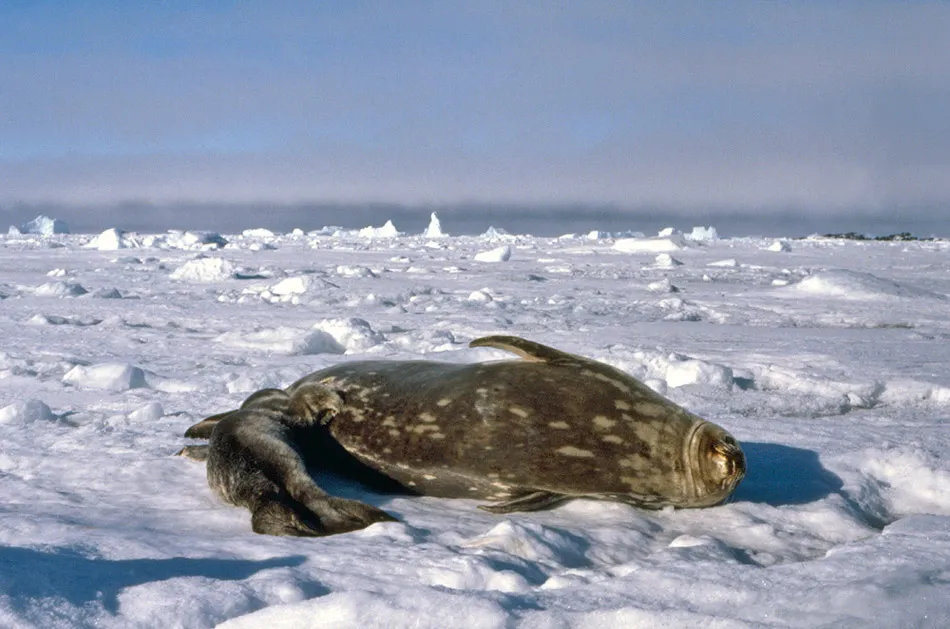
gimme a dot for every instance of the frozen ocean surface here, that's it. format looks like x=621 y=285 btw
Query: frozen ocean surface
x=828 y=359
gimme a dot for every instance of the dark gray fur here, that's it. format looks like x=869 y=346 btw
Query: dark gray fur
x=254 y=461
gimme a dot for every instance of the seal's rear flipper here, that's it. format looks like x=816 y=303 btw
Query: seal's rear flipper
x=529 y=350
x=277 y=515
x=281 y=515
x=534 y=501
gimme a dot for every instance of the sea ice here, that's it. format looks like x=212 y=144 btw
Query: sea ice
x=44 y=226
x=837 y=385
x=204 y=270
x=107 y=376
x=650 y=245
x=498 y=254
x=388 y=230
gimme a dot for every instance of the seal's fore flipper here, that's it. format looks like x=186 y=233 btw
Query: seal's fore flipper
x=535 y=501
x=313 y=402
x=204 y=428
x=273 y=399
x=529 y=350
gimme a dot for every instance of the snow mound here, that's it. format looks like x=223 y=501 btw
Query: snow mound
x=59 y=289
x=259 y=233
x=185 y=240
x=354 y=335
x=910 y=391
x=205 y=270
x=662 y=286
x=44 y=226
x=854 y=285
x=666 y=261
x=50 y=319
x=533 y=542
x=498 y=254
x=434 y=230
x=349 y=270
x=26 y=412
x=107 y=293
x=728 y=263
x=909 y=480
x=297 y=285
x=195 y=240
x=282 y=340
x=106 y=376
x=113 y=239
x=358 y=609
x=650 y=245
x=693 y=371
x=386 y=231
x=482 y=296
x=151 y=412
x=779 y=246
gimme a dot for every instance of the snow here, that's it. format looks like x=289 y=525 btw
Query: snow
x=828 y=359
x=650 y=245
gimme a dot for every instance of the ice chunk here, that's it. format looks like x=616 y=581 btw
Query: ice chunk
x=498 y=254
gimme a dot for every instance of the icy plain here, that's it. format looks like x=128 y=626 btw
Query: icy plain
x=828 y=359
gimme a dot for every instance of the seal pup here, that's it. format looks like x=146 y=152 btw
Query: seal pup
x=524 y=434
x=254 y=461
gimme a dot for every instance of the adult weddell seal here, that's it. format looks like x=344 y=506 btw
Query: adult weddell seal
x=523 y=434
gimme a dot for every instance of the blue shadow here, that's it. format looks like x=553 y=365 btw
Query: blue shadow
x=779 y=475
x=27 y=573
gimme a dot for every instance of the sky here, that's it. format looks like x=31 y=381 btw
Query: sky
x=746 y=106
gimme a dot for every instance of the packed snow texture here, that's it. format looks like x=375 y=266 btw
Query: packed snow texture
x=828 y=359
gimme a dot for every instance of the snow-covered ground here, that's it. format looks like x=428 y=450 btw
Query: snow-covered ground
x=828 y=359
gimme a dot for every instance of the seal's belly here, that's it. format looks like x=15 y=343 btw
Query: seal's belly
x=497 y=430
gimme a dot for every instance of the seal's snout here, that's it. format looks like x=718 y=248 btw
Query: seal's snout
x=721 y=464
x=729 y=459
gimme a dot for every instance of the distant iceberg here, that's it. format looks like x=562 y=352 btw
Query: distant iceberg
x=42 y=225
x=386 y=231
x=434 y=230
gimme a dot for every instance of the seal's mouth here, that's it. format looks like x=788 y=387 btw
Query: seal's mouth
x=718 y=464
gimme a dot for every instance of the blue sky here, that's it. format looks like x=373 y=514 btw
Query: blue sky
x=753 y=106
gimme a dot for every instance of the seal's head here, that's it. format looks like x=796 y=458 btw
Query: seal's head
x=715 y=464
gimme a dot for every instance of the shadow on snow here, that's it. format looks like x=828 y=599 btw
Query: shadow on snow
x=27 y=573
x=784 y=475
